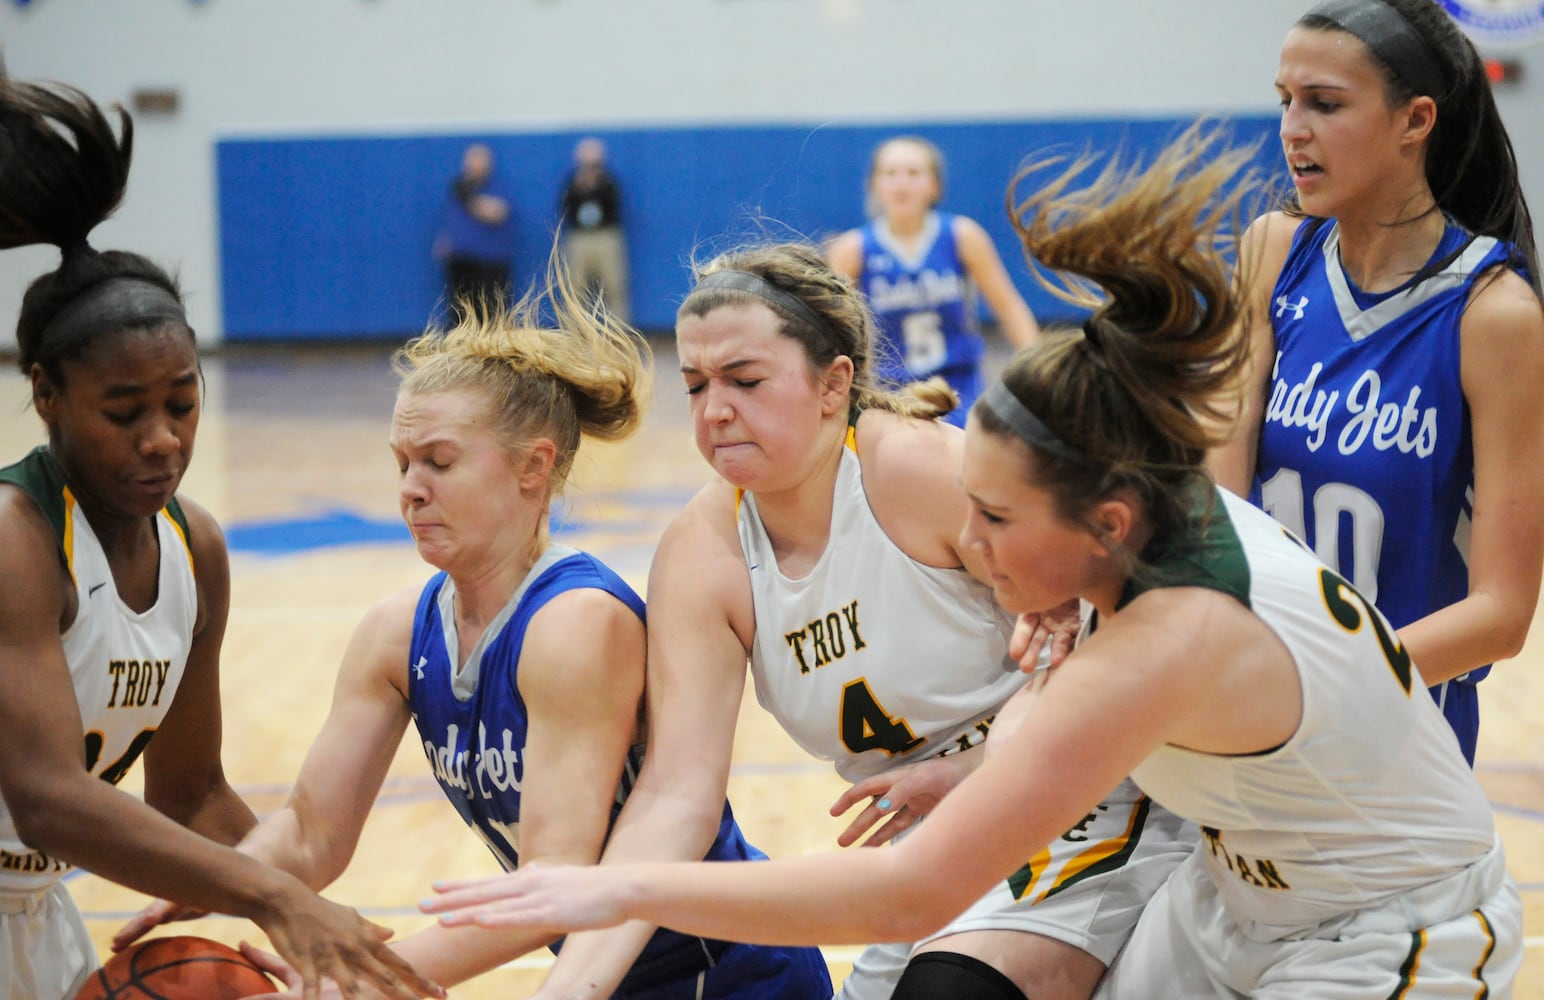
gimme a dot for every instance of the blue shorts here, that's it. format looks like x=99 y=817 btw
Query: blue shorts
x=1460 y=704
x=749 y=972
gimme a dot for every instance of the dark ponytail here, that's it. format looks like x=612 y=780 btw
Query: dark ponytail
x=1471 y=167
x=63 y=170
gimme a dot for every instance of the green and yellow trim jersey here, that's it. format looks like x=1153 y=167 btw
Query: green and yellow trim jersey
x=872 y=659
x=1369 y=800
x=125 y=665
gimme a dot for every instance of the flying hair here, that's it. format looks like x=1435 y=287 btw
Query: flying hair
x=582 y=373
x=1145 y=388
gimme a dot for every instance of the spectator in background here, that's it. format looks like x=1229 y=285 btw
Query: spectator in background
x=476 y=240
x=593 y=244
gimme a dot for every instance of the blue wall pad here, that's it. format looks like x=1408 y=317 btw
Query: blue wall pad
x=330 y=236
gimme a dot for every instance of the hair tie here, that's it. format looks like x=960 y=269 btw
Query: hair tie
x=77 y=248
x=1092 y=335
x=1000 y=401
x=755 y=284
x=1390 y=36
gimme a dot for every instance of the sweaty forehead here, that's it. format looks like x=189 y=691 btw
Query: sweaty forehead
x=1313 y=53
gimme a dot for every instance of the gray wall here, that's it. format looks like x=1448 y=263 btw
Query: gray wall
x=409 y=66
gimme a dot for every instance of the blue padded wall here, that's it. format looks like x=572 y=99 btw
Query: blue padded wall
x=330 y=236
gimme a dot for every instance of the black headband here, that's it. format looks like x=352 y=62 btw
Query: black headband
x=1000 y=401
x=755 y=284
x=1391 y=38
x=116 y=303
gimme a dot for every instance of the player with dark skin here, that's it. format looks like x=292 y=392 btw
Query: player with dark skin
x=115 y=378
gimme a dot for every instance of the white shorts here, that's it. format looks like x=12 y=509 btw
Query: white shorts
x=1187 y=945
x=45 y=950
x=1087 y=889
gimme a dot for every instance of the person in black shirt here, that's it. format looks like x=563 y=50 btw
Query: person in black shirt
x=593 y=243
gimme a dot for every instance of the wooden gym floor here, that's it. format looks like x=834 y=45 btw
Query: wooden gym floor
x=292 y=459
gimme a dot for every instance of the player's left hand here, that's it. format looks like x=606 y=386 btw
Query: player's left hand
x=900 y=796
x=557 y=898
x=285 y=973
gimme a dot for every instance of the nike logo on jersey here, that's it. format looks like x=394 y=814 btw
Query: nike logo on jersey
x=95 y=587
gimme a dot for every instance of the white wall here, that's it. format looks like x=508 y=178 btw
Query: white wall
x=428 y=65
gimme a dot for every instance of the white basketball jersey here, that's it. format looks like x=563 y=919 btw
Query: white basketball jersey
x=1369 y=800
x=126 y=667
x=872 y=659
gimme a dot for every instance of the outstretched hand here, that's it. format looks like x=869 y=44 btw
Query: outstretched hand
x=1042 y=640
x=285 y=973
x=322 y=940
x=904 y=794
x=557 y=898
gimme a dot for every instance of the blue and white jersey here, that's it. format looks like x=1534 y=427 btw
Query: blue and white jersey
x=1366 y=451
x=923 y=300
x=473 y=726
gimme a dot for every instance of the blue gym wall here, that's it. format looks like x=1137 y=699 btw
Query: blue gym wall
x=329 y=237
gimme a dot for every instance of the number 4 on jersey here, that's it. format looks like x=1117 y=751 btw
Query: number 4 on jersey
x=867 y=726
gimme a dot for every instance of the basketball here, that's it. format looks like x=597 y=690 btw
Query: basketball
x=176 y=968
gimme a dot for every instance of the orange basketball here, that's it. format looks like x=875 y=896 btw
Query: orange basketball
x=176 y=968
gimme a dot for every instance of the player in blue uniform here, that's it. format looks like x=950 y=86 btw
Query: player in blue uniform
x=521 y=662
x=1393 y=418
x=116 y=593
x=921 y=269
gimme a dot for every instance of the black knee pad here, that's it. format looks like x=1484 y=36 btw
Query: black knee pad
x=944 y=975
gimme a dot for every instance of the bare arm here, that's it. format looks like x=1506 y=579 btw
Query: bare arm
x=184 y=777
x=1262 y=255
x=985 y=267
x=64 y=811
x=845 y=254
x=1502 y=361
x=581 y=675
x=699 y=628
x=1168 y=672
x=314 y=835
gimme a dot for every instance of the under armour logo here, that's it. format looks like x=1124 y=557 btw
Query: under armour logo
x=1282 y=305
x=418 y=668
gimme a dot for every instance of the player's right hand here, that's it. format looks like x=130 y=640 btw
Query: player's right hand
x=323 y=940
